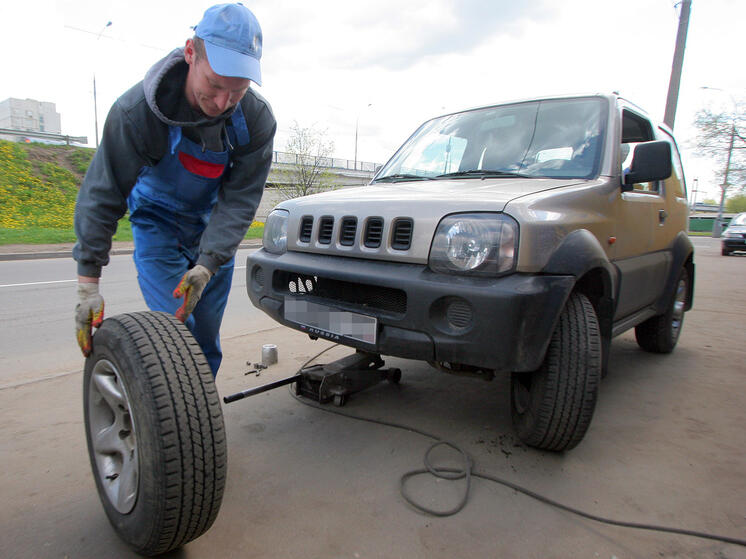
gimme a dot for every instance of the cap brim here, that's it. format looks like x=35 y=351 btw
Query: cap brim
x=232 y=64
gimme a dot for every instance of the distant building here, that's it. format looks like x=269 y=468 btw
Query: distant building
x=30 y=115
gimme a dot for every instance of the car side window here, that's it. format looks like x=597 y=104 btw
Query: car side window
x=675 y=183
x=635 y=130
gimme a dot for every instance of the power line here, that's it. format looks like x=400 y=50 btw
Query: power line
x=98 y=36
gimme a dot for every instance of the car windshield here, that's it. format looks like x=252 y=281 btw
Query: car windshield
x=560 y=138
x=740 y=219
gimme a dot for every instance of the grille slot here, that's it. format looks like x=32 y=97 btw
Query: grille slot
x=326 y=226
x=329 y=290
x=373 y=232
x=347 y=231
x=459 y=314
x=401 y=239
x=306 y=227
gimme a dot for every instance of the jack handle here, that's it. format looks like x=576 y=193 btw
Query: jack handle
x=259 y=389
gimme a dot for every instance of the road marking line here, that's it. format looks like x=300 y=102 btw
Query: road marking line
x=69 y=281
x=36 y=283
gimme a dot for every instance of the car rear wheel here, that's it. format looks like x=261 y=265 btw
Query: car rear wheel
x=659 y=334
x=155 y=432
x=552 y=407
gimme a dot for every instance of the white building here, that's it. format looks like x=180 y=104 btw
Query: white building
x=30 y=115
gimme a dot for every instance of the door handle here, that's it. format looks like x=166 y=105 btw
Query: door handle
x=662 y=215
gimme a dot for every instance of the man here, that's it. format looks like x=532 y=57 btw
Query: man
x=187 y=151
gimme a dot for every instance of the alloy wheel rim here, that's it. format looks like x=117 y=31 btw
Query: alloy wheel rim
x=677 y=316
x=113 y=438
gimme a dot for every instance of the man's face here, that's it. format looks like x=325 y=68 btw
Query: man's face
x=207 y=91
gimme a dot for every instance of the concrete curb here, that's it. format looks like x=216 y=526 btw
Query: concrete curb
x=31 y=254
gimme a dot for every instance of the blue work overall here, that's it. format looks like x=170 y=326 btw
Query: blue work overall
x=170 y=206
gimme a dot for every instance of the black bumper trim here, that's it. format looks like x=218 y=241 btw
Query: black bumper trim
x=512 y=319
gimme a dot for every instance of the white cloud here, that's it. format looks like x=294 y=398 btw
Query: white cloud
x=326 y=61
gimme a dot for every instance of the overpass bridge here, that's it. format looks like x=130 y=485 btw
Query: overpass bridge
x=343 y=173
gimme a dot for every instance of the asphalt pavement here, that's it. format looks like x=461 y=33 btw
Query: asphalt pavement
x=65 y=250
x=665 y=447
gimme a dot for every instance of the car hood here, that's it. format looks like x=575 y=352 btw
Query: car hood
x=457 y=195
x=421 y=203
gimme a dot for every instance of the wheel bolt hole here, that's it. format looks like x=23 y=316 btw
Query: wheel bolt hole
x=124 y=433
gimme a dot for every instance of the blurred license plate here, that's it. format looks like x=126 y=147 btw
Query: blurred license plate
x=329 y=323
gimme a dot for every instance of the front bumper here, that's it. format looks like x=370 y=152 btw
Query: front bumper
x=503 y=324
x=734 y=243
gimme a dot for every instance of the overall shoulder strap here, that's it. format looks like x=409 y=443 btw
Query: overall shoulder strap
x=238 y=129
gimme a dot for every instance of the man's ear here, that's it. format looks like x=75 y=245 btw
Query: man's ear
x=189 y=54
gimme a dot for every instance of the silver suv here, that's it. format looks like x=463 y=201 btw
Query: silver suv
x=517 y=238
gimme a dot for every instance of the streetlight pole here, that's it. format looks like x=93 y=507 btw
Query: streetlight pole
x=694 y=194
x=717 y=227
x=357 y=122
x=95 y=104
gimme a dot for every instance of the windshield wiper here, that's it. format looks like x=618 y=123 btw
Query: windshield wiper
x=402 y=177
x=481 y=173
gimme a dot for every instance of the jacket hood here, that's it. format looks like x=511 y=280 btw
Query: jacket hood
x=169 y=73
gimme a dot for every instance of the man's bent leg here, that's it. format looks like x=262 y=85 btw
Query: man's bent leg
x=208 y=314
x=161 y=264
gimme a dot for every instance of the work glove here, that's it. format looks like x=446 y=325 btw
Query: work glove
x=89 y=314
x=190 y=287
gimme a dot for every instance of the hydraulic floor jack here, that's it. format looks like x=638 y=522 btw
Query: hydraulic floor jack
x=332 y=382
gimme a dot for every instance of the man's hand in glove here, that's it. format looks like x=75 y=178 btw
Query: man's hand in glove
x=190 y=287
x=89 y=313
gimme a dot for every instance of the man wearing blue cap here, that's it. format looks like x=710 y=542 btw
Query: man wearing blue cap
x=187 y=151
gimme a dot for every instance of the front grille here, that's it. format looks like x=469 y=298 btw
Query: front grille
x=373 y=232
x=347 y=231
x=330 y=290
x=402 y=236
x=325 y=230
x=306 y=227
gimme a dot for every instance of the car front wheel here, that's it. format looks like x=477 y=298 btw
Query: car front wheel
x=552 y=407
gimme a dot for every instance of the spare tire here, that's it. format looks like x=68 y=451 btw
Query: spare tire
x=155 y=431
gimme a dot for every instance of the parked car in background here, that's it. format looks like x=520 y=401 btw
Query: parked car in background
x=734 y=238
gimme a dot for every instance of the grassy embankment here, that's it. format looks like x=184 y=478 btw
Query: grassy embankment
x=38 y=186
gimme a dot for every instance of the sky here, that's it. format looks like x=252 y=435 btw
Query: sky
x=383 y=67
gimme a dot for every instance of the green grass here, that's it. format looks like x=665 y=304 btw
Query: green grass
x=38 y=187
x=46 y=235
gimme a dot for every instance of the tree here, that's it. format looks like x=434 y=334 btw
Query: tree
x=736 y=204
x=304 y=168
x=721 y=136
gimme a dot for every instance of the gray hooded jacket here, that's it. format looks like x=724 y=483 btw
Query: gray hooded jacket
x=136 y=135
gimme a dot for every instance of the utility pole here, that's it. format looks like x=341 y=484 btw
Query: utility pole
x=678 y=61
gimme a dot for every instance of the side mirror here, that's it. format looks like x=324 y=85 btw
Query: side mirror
x=650 y=162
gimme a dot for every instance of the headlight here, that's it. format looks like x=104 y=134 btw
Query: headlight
x=483 y=244
x=730 y=234
x=276 y=232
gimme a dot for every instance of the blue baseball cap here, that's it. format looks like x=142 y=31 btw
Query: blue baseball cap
x=233 y=41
